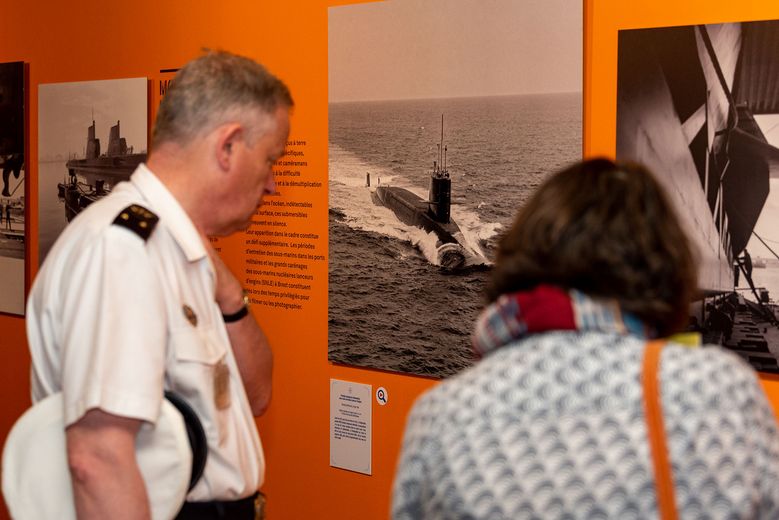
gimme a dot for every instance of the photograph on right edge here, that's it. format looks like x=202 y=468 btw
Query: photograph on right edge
x=699 y=106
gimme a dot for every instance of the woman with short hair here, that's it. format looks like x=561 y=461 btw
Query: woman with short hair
x=550 y=423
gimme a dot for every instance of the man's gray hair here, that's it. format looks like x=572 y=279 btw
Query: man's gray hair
x=213 y=89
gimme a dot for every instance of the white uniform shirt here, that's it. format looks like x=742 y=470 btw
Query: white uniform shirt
x=107 y=326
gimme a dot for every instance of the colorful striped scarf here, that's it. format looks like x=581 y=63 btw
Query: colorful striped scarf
x=547 y=308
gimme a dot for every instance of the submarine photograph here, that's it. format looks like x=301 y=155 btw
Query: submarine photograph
x=428 y=164
x=91 y=136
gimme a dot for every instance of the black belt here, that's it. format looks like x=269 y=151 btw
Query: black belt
x=242 y=509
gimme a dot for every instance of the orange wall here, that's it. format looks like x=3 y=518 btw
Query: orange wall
x=91 y=40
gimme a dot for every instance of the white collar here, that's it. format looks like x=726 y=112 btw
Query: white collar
x=170 y=212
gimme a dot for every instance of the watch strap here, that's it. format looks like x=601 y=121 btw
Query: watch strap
x=240 y=313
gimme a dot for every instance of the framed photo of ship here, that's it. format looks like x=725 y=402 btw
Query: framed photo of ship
x=444 y=116
x=699 y=105
x=13 y=166
x=91 y=136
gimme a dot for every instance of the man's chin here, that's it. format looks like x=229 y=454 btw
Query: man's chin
x=243 y=226
x=231 y=229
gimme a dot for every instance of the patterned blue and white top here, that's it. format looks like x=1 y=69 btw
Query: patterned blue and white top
x=551 y=425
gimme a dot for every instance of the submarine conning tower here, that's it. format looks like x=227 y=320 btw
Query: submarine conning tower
x=440 y=192
x=117 y=145
x=93 y=144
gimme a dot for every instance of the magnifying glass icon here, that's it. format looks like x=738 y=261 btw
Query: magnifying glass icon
x=381 y=396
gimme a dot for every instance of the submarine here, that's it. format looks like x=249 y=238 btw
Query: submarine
x=432 y=215
x=118 y=161
x=101 y=171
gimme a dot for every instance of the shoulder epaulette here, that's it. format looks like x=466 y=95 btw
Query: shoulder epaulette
x=137 y=219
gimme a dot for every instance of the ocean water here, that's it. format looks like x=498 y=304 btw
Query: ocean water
x=767 y=278
x=391 y=307
x=51 y=210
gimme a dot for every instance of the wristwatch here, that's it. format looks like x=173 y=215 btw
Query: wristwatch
x=240 y=313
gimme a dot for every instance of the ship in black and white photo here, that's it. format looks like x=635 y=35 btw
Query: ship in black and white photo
x=82 y=158
x=432 y=214
x=91 y=177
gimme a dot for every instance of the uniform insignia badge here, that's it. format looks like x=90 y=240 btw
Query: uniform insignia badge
x=137 y=219
x=190 y=315
x=222 y=386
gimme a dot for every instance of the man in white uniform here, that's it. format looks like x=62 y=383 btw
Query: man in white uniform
x=132 y=300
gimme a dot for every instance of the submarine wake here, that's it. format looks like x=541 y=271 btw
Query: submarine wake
x=358 y=209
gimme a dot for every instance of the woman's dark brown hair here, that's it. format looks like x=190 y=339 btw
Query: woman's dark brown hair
x=608 y=230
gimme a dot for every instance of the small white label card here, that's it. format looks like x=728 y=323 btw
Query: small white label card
x=350 y=425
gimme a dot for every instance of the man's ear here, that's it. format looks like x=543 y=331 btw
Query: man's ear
x=228 y=136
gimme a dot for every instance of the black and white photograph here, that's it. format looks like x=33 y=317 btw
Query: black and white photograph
x=699 y=105
x=12 y=198
x=91 y=136
x=444 y=116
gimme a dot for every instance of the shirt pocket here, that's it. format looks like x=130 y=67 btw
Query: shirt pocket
x=192 y=345
x=196 y=356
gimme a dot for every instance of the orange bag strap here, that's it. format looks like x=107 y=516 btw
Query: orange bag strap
x=664 y=485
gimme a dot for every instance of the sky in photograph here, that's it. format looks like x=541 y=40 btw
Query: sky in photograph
x=766 y=226
x=419 y=49
x=65 y=111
